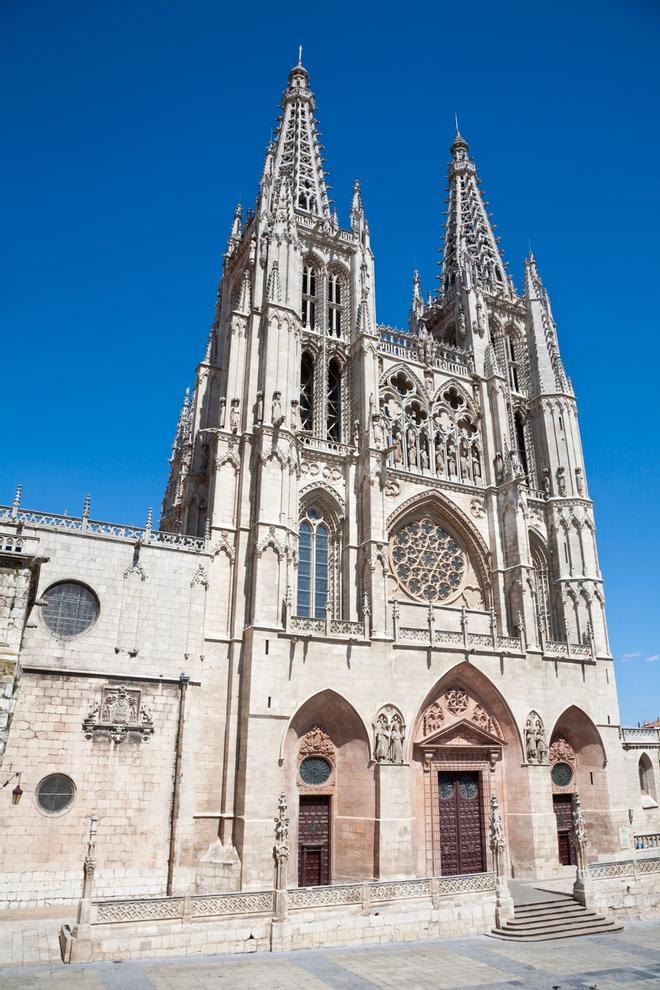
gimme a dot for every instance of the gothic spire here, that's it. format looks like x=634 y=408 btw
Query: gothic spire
x=295 y=152
x=471 y=253
x=547 y=369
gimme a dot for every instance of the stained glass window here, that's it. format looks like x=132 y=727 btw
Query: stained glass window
x=427 y=560
x=561 y=774
x=315 y=770
x=70 y=608
x=313 y=566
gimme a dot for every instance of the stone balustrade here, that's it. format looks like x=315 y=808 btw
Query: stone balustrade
x=647 y=840
x=641 y=735
x=82 y=524
x=624 y=868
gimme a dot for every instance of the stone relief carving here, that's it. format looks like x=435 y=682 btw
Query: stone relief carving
x=536 y=746
x=389 y=735
x=234 y=415
x=120 y=712
x=316 y=742
x=454 y=706
x=561 y=751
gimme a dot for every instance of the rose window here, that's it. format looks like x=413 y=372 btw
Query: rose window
x=427 y=561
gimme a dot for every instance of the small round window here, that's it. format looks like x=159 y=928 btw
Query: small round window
x=562 y=774
x=70 y=608
x=315 y=770
x=55 y=793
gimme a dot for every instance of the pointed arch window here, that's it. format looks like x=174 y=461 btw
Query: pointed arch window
x=520 y=441
x=646 y=777
x=512 y=360
x=335 y=304
x=306 y=391
x=313 y=543
x=543 y=588
x=333 y=418
x=309 y=297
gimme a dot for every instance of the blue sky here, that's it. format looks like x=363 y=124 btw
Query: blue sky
x=131 y=129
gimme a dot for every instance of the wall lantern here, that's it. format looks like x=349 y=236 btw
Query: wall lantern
x=17 y=792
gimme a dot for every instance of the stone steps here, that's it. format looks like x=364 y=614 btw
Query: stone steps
x=545 y=920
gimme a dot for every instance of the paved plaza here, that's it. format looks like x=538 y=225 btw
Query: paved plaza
x=29 y=958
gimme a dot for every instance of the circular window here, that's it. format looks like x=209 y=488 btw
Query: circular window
x=55 y=793
x=315 y=770
x=446 y=785
x=427 y=561
x=70 y=608
x=562 y=774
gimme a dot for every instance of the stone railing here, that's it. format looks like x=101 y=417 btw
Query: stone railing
x=326 y=446
x=262 y=902
x=445 y=357
x=647 y=840
x=552 y=648
x=326 y=627
x=464 y=638
x=642 y=735
x=624 y=868
x=82 y=524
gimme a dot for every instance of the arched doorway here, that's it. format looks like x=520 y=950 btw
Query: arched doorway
x=326 y=757
x=462 y=739
x=577 y=766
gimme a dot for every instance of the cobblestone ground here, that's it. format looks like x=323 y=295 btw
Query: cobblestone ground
x=623 y=961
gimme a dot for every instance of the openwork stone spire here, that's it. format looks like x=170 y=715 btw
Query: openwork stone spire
x=546 y=367
x=295 y=154
x=470 y=252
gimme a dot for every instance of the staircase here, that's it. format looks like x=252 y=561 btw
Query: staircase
x=557 y=917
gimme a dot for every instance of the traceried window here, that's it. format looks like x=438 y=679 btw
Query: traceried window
x=427 y=561
x=335 y=304
x=512 y=359
x=307 y=391
x=543 y=583
x=309 y=298
x=313 y=565
x=70 y=608
x=333 y=418
x=520 y=441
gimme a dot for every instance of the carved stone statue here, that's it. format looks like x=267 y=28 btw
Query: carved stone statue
x=451 y=459
x=382 y=738
x=476 y=465
x=498 y=463
x=396 y=741
x=398 y=446
x=465 y=463
x=276 y=417
x=234 y=416
x=439 y=457
x=536 y=746
x=260 y=406
x=412 y=450
x=295 y=415
x=389 y=735
x=424 y=457
x=379 y=434
x=579 y=481
x=356 y=433
x=547 y=486
x=561 y=481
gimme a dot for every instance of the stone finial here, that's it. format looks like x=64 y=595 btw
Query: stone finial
x=149 y=521
x=16 y=504
x=86 y=506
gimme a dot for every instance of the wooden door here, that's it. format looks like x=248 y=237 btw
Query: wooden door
x=313 y=840
x=563 y=806
x=461 y=823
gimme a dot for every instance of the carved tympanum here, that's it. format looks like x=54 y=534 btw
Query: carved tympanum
x=456 y=705
x=316 y=742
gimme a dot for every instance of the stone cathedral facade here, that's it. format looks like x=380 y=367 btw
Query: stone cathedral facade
x=375 y=588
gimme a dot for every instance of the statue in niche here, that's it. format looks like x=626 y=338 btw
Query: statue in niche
x=428 y=348
x=234 y=416
x=389 y=735
x=296 y=425
x=514 y=464
x=547 y=487
x=579 y=481
x=424 y=457
x=276 y=417
x=222 y=407
x=412 y=451
x=356 y=434
x=451 y=459
x=465 y=463
x=379 y=433
x=536 y=746
x=396 y=740
x=439 y=456
x=561 y=480
x=476 y=465
x=260 y=406
x=382 y=738
x=498 y=463
x=398 y=446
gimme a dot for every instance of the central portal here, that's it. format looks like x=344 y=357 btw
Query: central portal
x=314 y=840
x=461 y=823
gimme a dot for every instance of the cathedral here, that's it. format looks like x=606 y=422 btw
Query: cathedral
x=373 y=595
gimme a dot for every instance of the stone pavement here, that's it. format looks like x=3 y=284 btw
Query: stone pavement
x=625 y=961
